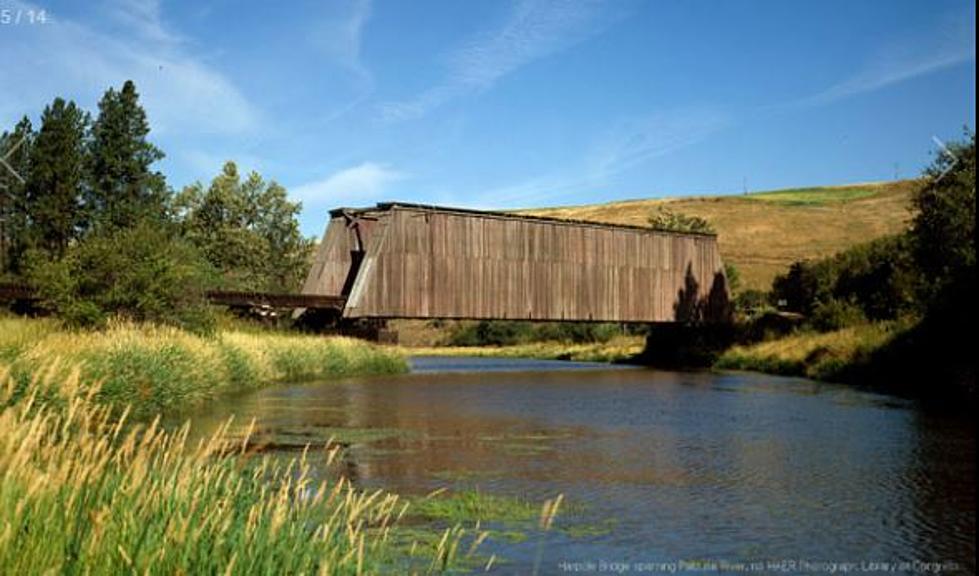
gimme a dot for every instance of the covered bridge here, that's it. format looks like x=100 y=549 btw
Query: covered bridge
x=399 y=260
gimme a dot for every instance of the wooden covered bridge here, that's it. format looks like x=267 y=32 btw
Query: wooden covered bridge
x=399 y=260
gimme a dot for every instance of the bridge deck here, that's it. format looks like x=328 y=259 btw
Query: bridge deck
x=238 y=298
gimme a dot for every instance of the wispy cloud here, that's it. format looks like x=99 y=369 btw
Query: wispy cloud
x=632 y=142
x=339 y=36
x=626 y=146
x=534 y=29
x=142 y=16
x=80 y=60
x=363 y=183
x=952 y=44
x=523 y=193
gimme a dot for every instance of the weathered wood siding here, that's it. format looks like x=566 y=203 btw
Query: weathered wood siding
x=332 y=260
x=425 y=263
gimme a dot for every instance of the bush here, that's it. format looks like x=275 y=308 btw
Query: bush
x=577 y=332
x=806 y=283
x=670 y=221
x=141 y=274
x=879 y=277
x=752 y=301
x=488 y=333
x=510 y=333
x=836 y=315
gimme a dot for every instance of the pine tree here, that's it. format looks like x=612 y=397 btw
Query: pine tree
x=15 y=150
x=124 y=189
x=54 y=185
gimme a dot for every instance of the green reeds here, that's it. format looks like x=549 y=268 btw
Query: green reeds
x=84 y=491
x=156 y=369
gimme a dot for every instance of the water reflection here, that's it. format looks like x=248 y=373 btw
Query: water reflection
x=677 y=465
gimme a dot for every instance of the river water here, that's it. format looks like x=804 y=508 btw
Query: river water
x=662 y=471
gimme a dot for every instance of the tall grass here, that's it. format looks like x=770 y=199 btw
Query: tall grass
x=822 y=356
x=156 y=369
x=82 y=491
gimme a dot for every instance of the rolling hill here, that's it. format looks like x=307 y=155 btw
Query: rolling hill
x=763 y=233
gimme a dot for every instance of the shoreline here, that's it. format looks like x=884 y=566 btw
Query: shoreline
x=156 y=370
x=616 y=351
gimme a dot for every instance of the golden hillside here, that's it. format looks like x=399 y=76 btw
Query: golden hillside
x=762 y=233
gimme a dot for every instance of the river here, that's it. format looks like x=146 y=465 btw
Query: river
x=661 y=471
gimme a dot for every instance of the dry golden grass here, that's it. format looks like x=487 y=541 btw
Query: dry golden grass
x=763 y=233
x=810 y=354
x=83 y=491
x=157 y=369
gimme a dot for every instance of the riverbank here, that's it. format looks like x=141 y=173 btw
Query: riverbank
x=617 y=350
x=158 y=369
x=829 y=356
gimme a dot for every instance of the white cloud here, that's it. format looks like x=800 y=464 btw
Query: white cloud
x=950 y=45
x=180 y=92
x=535 y=29
x=364 y=183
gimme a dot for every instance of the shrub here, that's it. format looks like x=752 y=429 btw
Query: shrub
x=879 y=277
x=141 y=274
x=510 y=333
x=491 y=333
x=669 y=221
x=806 y=283
x=751 y=301
x=835 y=315
x=577 y=332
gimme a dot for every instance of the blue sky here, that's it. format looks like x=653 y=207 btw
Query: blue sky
x=513 y=103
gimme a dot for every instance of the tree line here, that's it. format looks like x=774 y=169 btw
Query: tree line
x=87 y=219
x=925 y=276
x=906 y=274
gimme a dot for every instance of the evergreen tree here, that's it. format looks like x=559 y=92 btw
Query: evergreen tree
x=124 y=188
x=54 y=185
x=15 y=149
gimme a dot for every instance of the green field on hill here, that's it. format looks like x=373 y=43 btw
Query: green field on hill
x=763 y=233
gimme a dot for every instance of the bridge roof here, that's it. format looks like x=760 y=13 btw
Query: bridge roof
x=383 y=207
